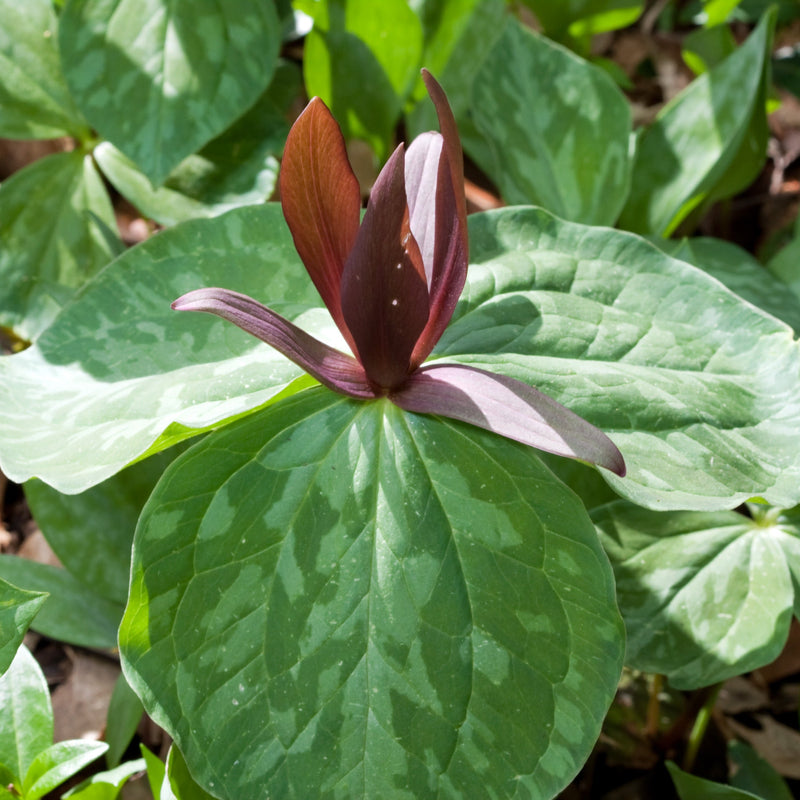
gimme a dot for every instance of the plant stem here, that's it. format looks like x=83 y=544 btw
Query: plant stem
x=654 y=707
x=699 y=728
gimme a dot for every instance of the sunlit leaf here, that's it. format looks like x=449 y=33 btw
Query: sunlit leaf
x=159 y=79
x=557 y=128
x=26 y=727
x=34 y=98
x=120 y=370
x=52 y=215
x=705 y=596
x=237 y=168
x=697 y=388
x=708 y=142
x=740 y=272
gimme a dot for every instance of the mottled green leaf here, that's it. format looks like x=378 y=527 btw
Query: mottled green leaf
x=106 y=785
x=34 y=100
x=690 y=787
x=709 y=142
x=17 y=608
x=557 y=126
x=787 y=522
x=57 y=763
x=705 y=596
x=334 y=598
x=73 y=612
x=119 y=369
x=26 y=724
x=363 y=59
x=91 y=533
x=159 y=79
x=52 y=242
x=124 y=714
x=237 y=168
x=697 y=388
x=739 y=271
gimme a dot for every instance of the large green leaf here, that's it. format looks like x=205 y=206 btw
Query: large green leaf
x=54 y=218
x=698 y=388
x=34 y=100
x=91 y=533
x=17 y=608
x=159 y=79
x=740 y=272
x=708 y=142
x=26 y=724
x=73 y=612
x=363 y=59
x=119 y=368
x=237 y=168
x=558 y=128
x=334 y=598
x=705 y=596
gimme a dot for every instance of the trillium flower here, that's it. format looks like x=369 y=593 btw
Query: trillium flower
x=391 y=283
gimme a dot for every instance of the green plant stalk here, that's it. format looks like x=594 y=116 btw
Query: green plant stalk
x=699 y=728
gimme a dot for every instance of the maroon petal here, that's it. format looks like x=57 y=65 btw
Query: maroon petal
x=508 y=407
x=333 y=369
x=422 y=166
x=384 y=291
x=321 y=201
x=451 y=248
x=452 y=144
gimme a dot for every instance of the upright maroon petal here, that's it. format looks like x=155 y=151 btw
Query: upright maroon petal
x=422 y=167
x=321 y=201
x=333 y=369
x=507 y=407
x=452 y=145
x=384 y=291
x=451 y=248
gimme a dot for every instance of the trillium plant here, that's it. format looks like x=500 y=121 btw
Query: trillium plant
x=373 y=587
x=389 y=563
x=391 y=284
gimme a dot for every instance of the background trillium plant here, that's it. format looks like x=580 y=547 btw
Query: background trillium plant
x=391 y=284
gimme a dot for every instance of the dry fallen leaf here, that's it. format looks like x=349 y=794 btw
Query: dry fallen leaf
x=80 y=704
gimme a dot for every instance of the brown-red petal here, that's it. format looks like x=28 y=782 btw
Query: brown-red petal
x=384 y=290
x=321 y=201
